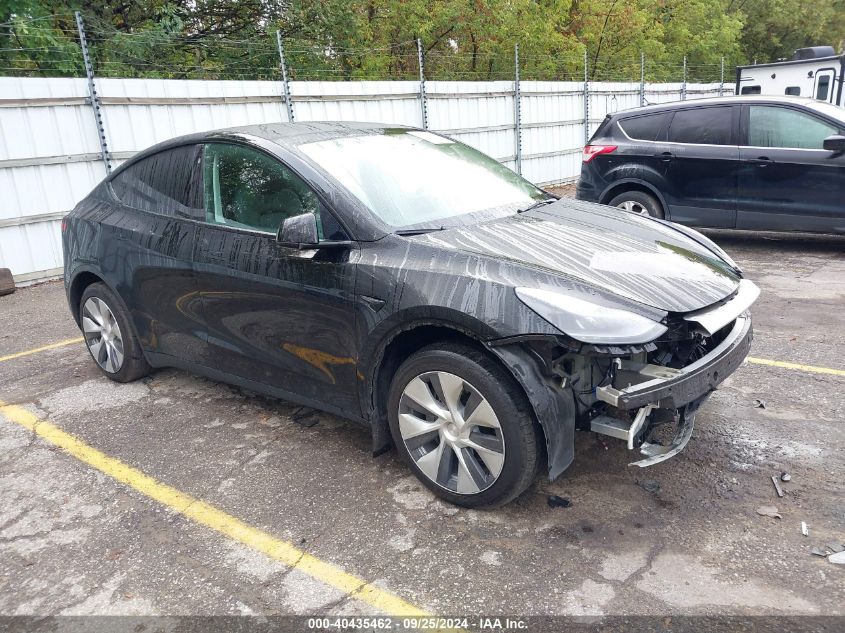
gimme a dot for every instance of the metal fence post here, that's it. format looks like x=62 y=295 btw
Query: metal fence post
x=642 y=79
x=722 y=78
x=285 y=85
x=423 y=98
x=684 y=84
x=586 y=99
x=93 y=97
x=517 y=113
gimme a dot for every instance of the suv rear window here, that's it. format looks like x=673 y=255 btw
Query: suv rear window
x=702 y=126
x=645 y=127
x=166 y=183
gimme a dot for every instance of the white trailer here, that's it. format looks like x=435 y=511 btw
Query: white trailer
x=816 y=72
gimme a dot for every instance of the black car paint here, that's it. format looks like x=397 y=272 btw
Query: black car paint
x=730 y=186
x=313 y=326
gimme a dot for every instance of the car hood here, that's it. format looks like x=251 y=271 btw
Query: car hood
x=625 y=254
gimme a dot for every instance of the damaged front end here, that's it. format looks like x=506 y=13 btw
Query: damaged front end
x=646 y=395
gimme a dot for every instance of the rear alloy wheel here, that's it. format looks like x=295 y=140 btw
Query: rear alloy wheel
x=109 y=335
x=638 y=202
x=102 y=335
x=464 y=426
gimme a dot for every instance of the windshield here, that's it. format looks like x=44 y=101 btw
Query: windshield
x=409 y=177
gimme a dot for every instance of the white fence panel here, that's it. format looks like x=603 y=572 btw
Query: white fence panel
x=50 y=151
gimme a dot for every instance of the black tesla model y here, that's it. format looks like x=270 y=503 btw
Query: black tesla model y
x=408 y=282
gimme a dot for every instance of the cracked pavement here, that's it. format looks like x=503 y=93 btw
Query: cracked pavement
x=74 y=541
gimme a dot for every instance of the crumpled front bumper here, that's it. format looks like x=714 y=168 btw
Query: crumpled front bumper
x=665 y=387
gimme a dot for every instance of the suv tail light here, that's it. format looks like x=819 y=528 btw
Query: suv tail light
x=591 y=151
x=64 y=225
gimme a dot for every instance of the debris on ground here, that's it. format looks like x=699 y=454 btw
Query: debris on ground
x=558 y=502
x=838 y=558
x=769 y=511
x=785 y=476
x=760 y=404
x=828 y=549
x=777 y=485
x=649 y=485
x=305 y=417
x=835 y=547
x=804 y=529
x=820 y=551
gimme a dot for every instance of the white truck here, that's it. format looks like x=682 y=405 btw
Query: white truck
x=816 y=72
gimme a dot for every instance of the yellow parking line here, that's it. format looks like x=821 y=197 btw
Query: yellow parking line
x=808 y=368
x=214 y=518
x=69 y=341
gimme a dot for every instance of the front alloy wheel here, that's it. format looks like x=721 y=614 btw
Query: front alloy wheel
x=102 y=335
x=451 y=432
x=464 y=425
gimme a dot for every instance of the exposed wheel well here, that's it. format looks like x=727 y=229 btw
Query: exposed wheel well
x=77 y=287
x=630 y=186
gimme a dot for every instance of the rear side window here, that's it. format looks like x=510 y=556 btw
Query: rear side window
x=793 y=91
x=702 y=126
x=167 y=183
x=771 y=126
x=751 y=90
x=646 y=127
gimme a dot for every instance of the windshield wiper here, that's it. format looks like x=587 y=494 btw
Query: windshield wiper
x=539 y=203
x=406 y=232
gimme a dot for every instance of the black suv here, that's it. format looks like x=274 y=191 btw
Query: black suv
x=765 y=163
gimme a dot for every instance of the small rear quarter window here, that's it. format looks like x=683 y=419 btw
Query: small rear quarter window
x=166 y=182
x=646 y=127
x=793 y=91
x=751 y=90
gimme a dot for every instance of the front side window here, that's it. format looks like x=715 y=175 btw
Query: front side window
x=771 y=126
x=702 y=126
x=645 y=128
x=248 y=189
x=409 y=177
x=164 y=183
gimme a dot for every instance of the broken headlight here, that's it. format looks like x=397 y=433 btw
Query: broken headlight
x=589 y=322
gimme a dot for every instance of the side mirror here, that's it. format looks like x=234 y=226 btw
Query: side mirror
x=835 y=143
x=299 y=231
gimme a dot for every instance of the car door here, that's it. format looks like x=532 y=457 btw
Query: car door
x=147 y=245
x=787 y=180
x=703 y=165
x=275 y=314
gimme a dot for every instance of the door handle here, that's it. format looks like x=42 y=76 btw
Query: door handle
x=665 y=156
x=761 y=161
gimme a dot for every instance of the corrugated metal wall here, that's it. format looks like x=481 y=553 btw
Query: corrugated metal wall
x=50 y=151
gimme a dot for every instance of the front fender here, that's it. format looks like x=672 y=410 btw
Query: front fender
x=553 y=406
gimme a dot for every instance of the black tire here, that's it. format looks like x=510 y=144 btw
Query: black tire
x=133 y=364
x=643 y=200
x=522 y=437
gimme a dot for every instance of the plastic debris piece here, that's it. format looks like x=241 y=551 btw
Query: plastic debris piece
x=769 y=511
x=820 y=551
x=760 y=404
x=777 y=486
x=649 y=485
x=785 y=476
x=835 y=547
x=838 y=558
x=558 y=502
x=804 y=529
